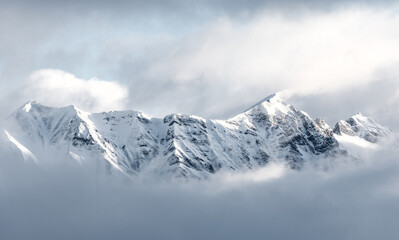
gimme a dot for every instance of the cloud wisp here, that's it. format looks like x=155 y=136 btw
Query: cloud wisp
x=322 y=53
x=58 y=88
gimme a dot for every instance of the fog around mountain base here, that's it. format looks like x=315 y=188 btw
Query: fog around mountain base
x=353 y=200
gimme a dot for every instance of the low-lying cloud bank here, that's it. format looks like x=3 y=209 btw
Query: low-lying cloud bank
x=352 y=201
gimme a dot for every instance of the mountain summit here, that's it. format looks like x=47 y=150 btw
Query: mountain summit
x=363 y=127
x=132 y=143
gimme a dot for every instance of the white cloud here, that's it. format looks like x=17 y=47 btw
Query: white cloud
x=318 y=52
x=220 y=67
x=234 y=63
x=59 y=88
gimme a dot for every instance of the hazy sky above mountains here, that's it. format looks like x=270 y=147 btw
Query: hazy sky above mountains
x=209 y=58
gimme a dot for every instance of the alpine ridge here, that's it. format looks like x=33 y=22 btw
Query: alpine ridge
x=131 y=143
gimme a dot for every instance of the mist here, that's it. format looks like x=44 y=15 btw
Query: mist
x=352 y=200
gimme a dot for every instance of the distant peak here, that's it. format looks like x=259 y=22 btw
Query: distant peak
x=360 y=117
x=35 y=106
x=273 y=98
x=27 y=107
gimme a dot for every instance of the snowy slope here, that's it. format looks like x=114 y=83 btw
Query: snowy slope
x=362 y=127
x=132 y=143
x=359 y=134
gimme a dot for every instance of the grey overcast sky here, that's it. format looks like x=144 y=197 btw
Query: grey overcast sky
x=208 y=58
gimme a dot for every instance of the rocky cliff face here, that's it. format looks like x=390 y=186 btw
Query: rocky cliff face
x=133 y=143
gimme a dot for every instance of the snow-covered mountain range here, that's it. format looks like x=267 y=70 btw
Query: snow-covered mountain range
x=132 y=143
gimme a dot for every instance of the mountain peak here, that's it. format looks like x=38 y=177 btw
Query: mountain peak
x=275 y=97
x=183 y=145
x=360 y=119
x=34 y=107
x=27 y=107
x=272 y=104
x=359 y=115
x=363 y=127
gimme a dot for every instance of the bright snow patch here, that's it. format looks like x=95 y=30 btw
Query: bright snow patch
x=25 y=152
